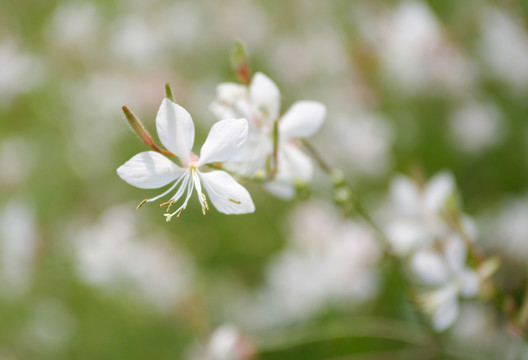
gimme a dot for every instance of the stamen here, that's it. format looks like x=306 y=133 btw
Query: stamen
x=168 y=190
x=205 y=202
x=180 y=212
x=170 y=203
x=235 y=201
x=141 y=204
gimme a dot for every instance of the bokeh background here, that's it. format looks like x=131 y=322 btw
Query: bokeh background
x=410 y=87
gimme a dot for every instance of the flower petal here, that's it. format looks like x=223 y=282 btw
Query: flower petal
x=232 y=100
x=405 y=195
x=429 y=267
x=227 y=196
x=438 y=189
x=455 y=253
x=265 y=97
x=406 y=235
x=149 y=170
x=225 y=140
x=302 y=119
x=175 y=129
x=469 y=283
x=294 y=164
x=285 y=191
x=447 y=311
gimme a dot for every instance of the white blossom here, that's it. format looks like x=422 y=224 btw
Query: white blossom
x=327 y=260
x=228 y=343
x=111 y=253
x=150 y=170
x=260 y=104
x=476 y=126
x=422 y=233
x=417 y=219
x=446 y=271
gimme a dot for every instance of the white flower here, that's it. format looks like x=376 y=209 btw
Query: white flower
x=149 y=169
x=447 y=271
x=435 y=247
x=418 y=220
x=260 y=104
x=228 y=343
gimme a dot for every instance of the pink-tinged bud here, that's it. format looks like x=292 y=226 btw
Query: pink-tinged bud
x=137 y=126
x=168 y=92
x=228 y=343
x=241 y=63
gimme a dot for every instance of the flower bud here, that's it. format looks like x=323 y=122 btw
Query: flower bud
x=137 y=126
x=240 y=63
x=168 y=92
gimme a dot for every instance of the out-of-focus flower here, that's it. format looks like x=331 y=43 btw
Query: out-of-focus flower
x=134 y=40
x=416 y=219
x=509 y=229
x=328 y=260
x=476 y=126
x=446 y=271
x=433 y=239
x=19 y=73
x=50 y=328
x=150 y=170
x=76 y=27
x=414 y=50
x=260 y=104
x=361 y=143
x=504 y=47
x=111 y=253
x=18 y=247
x=228 y=343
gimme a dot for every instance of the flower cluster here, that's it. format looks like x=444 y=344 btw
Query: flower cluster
x=249 y=140
x=434 y=238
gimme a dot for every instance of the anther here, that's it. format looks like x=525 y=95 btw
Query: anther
x=180 y=212
x=170 y=203
x=235 y=201
x=141 y=204
x=205 y=202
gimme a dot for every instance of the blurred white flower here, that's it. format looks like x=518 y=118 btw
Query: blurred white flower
x=134 y=40
x=328 y=260
x=18 y=247
x=504 y=47
x=19 y=73
x=360 y=142
x=414 y=50
x=76 y=27
x=111 y=253
x=320 y=53
x=476 y=126
x=151 y=170
x=447 y=272
x=421 y=232
x=416 y=219
x=227 y=343
x=477 y=326
x=260 y=104
x=50 y=328
x=509 y=229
